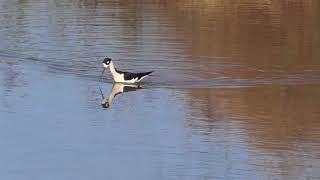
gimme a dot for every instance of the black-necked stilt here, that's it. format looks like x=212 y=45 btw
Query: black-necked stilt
x=121 y=76
x=118 y=88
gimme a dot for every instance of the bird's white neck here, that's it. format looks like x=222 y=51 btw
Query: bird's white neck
x=117 y=77
x=113 y=70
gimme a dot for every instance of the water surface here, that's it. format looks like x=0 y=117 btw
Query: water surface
x=235 y=93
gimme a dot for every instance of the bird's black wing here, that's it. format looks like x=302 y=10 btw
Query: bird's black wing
x=129 y=76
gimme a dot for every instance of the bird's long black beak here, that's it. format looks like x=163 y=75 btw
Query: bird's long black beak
x=102 y=73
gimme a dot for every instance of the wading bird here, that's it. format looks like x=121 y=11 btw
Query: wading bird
x=121 y=76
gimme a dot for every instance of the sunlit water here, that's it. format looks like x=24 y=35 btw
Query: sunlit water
x=235 y=93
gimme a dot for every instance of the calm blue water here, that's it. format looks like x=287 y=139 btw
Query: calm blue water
x=235 y=93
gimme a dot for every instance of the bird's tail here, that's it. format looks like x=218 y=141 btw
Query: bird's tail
x=148 y=73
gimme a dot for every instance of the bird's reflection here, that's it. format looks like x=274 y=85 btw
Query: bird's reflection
x=117 y=88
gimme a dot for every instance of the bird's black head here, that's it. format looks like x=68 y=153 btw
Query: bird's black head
x=106 y=61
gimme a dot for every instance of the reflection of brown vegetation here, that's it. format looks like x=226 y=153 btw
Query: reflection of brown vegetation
x=269 y=39
x=271 y=115
x=285 y=113
x=279 y=124
x=88 y=3
x=276 y=38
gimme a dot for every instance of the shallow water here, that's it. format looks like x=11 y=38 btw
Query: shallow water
x=235 y=93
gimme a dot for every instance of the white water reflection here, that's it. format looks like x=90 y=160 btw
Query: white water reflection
x=117 y=89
